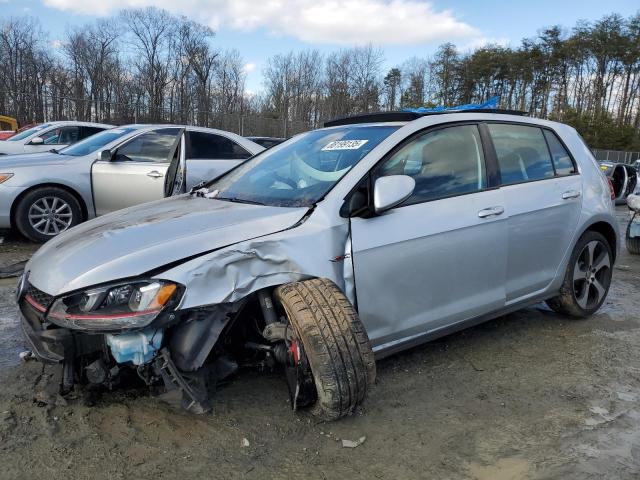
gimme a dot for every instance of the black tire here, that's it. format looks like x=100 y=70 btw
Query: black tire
x=21 y=217
x=567 y=302
x=633 y=244
x=335 y=343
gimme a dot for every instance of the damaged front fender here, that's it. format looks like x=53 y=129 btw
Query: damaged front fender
x=230 y=274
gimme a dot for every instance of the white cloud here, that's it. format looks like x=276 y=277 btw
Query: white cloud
x=479 y=42
x=346 y=22
x=249 y=67
x=56 y=44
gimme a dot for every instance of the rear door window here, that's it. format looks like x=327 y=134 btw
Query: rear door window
x=209 y=146
x=88 y=131
x=522 y=153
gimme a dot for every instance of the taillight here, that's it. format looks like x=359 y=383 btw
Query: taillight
x=611 y=189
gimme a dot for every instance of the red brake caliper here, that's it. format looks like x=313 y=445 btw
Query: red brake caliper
x=299 y=378
x=294 y=348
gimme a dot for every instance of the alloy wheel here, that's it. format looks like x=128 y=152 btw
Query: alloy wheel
x=50 y=215
x=592 y=275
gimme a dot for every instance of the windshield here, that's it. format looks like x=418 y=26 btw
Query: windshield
x=28 y=133
x=302 y=170
x=95 y=142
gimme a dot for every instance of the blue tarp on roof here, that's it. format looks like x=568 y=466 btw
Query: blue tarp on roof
x=489 y=104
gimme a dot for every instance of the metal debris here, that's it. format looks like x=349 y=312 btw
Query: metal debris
x=26 y=356
x=352 y=443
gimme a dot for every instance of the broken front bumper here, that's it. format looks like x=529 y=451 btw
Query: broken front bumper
x=49 y=346
x=54 y=345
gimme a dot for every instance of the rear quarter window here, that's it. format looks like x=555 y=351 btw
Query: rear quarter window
x=561 y=158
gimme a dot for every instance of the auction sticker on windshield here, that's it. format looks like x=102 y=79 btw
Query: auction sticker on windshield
x=344 y=145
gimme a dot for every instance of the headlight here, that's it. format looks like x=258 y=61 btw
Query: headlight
x=113 y=307
x=5 y=176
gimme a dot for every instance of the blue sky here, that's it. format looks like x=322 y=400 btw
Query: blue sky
x=403 y=28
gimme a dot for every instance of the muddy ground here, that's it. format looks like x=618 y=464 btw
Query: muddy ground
x=528 y=396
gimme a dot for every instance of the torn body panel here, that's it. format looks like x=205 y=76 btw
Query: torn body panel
x=229 y=274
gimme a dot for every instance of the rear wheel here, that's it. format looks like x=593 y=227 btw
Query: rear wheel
x=587 y=279
x=46 y=212
x=633 y=244
x=335 y=344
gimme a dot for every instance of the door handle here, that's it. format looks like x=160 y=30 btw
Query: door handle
x=491 y=212
x=570 y=194
x=154 y=174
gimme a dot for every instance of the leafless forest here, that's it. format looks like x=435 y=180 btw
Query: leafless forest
x=148 y=65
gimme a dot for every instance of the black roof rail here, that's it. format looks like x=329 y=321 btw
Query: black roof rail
x=400 y=116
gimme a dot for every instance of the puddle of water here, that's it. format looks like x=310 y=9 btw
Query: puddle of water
x=11 y=341
x=503 y=469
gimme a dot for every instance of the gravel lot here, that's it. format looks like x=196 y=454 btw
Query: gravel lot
x=530 y=395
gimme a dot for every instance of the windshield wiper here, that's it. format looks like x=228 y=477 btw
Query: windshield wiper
x=238 y=200
x=53 y=150
x=199 y=189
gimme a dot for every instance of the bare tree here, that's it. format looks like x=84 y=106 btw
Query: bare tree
x=153 y=34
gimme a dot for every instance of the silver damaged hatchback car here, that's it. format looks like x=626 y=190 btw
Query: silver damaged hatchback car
x=321 y=254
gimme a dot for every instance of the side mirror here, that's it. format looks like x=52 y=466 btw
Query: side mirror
x=633 y=201
x=36 y=141
x=391 y=191
x=105 y=156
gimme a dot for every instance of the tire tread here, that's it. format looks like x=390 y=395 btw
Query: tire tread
x=335 y=342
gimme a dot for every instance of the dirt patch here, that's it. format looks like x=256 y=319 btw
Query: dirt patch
x=529 y=396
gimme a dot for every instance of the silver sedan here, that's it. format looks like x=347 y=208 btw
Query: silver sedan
x=44 y=194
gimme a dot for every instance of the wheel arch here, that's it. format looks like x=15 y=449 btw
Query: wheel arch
x=76 y=195
x=608 y=231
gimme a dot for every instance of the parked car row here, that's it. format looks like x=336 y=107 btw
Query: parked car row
x=44 y=194
x=317 y=256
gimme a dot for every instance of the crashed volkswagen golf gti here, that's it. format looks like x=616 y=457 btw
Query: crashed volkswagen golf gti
x=315 y=257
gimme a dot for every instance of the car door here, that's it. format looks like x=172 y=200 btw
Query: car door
x=543 y=203
x=175 y=182
x=209 y=155
x=136 y=172
x=440 y=257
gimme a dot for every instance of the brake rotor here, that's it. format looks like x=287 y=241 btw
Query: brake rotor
x=302 y=389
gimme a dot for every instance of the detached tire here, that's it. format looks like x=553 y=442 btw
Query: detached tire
x=335 y=343
x=46 y=212
x=633 y=244
x=587 y=279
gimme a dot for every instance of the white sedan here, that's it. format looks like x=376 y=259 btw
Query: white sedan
x=51 y=135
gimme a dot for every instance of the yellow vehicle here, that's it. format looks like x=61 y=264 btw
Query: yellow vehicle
x=8 y=126
x=8 y=123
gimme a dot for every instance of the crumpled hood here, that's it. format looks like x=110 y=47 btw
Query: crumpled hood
x=136 y=240
x=30 y=160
